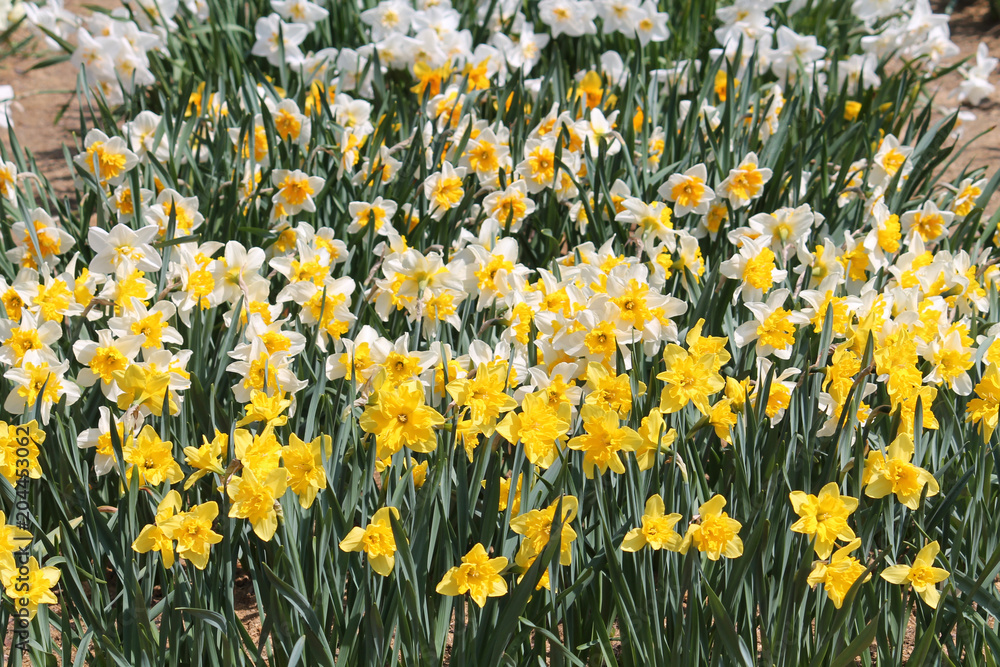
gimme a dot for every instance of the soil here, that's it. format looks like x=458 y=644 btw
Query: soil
x=972 y=23
x=41 y=94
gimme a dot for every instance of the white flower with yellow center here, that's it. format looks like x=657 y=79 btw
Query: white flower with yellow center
x=122 y=245
x=39 y=382
x=891 y=159
x=295 y=190
x=772 y=327
x=929 y=222
x=104 y=356
x=107 y=159
x=745 y=182
x=688 y=192
x=377 y=213
x=443 y=189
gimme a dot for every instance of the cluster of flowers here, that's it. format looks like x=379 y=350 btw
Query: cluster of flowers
x=550 y=379
x=24 y=580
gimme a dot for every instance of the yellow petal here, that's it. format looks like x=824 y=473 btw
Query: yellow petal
x=381 y=517
x=448 y=585
x=797 y=498
x=713 y=507
x=931 y=596
x=896 y=574
x=634 y=540
x=383 y=564
x=654 y=506
x=353 y=540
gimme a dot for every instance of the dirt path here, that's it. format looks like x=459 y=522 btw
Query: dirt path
x=970 y=24
x=40 y=95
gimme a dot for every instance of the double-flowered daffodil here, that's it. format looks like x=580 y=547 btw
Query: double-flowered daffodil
x=376 y=540
x=478 y=575
x=657 y=530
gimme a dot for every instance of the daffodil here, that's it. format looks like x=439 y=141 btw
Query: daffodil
x=398 y=417
x=304 y=462
x=655 y=437
x=295 y=190
x=267 y=409
x=688 y=191
x=484 y=394
x=207 y=458
x=12 y=539
x=611 y=392
x=657 y=530
x=688 y=379
x=152 y=459
x=896 y=474
x=478 y=575
x=922 y=574
x=19 y=451
x=256 y=500
x=601 y=441
x=536 y=526
x=984 y=408
x=716 y=535
x=193 y=532
x=823 y=517
x=376 y=540
x=154 y=537
x=745 y=182
x=540 y=428
x=35 y=586
x=839 y=575
x=107 y=159
x=146 y=387
x=444 y=190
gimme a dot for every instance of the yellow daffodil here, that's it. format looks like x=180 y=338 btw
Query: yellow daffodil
x=478 y=575
x=12 y=538
x=717 y=535
x=255 y=500
x=655 y=436
x=601 y=441
x=154 y=537
x=922 y=574
x=484 y=395
x=688 y=380
x=20 y=444
x=144 y=387
x=398 y=417
x=983 y=409
x=895 y=474
x=537 y=524
x=152 y=459
x=304 y=462
x=657 y=531
x=839 y=574
x=193 y=532
x=823 y=517
x=377 y=541
x=541 y=428
x=610 y=392
x=207 y=458
x=264 y=408
x=35 y=586
x=258 y=452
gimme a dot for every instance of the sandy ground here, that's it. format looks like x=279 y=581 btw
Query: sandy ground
x=40 y=95
x=971 y=24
